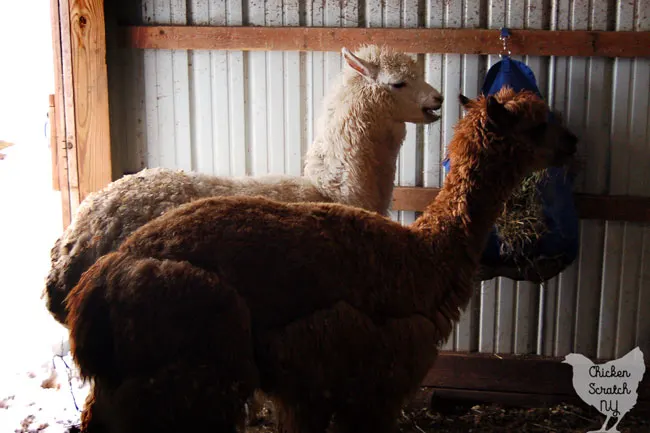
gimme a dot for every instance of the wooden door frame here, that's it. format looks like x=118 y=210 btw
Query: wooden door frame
x=81 y=119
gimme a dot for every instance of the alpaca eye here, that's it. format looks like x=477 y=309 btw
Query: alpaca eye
x=398 y=85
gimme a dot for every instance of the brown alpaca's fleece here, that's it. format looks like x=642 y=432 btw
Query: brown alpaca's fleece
x=346 y=307
x=185 y=358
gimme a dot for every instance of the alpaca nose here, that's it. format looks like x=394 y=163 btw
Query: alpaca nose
x=566 y=147
x=437 y=101
x=571 y=143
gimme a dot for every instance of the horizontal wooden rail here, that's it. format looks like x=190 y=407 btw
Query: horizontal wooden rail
x=589 y=206
x=511 y=379
x=420 y=40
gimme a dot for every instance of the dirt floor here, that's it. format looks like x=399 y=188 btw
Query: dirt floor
x=494 y=418
x=562 y=418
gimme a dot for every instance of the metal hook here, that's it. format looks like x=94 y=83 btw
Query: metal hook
x=504 y=36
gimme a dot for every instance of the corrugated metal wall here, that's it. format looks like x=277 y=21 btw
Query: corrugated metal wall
x=231 y=113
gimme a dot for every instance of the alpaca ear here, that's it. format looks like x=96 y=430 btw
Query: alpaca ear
x=365 y=69
x=464 y=100
x=498 y=115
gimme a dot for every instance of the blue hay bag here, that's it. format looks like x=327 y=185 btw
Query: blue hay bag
x=558 y=246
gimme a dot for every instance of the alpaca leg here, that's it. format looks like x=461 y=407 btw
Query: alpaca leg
x=368 y=418
x=303 y=417
x=183 y=397
x=90 y=416
x=386 y=374
x=255 y=406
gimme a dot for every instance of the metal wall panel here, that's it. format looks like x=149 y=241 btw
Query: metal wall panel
x=249 y=113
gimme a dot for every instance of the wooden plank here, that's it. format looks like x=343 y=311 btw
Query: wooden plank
x=54 y=148
x=59 y=114
x=506 y=399
x=589 y=206
x=526 y=374
x=89 y=129
x=512 y=399
x=420 y=40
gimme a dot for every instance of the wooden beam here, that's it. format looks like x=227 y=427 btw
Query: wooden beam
x=589 y=206
x=512 y=399
x=518 y=399
x=90 y=87
x=461 y=41
x=504 y=373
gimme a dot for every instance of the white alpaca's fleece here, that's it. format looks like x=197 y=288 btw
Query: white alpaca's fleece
x=352 y=161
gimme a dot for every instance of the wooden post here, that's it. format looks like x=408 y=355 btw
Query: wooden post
x=58 y=120
x=51 y=116
x=86 y=95
x=80 y=121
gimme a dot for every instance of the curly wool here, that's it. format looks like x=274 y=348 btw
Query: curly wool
x=352 y=161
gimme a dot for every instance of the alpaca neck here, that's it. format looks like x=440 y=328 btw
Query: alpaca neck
x=455 y=228
x=466 y=209
x=353 y=159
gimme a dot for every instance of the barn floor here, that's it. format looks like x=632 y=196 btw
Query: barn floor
x=494 y=418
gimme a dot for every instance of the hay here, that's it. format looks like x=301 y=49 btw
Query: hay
x=494 y=418
x=521 y=223
x=462 y=417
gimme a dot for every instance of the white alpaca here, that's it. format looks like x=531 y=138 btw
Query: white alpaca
x=352 y=161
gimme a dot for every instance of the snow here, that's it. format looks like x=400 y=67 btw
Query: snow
x=31 y=341
x=30 y=222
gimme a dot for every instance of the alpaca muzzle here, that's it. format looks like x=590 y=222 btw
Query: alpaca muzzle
x=567 y=148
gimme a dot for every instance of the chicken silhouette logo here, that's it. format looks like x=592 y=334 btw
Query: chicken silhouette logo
x=610 y=387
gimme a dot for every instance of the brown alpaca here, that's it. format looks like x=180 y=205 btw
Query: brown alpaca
x=346 y=307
